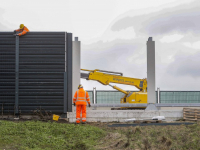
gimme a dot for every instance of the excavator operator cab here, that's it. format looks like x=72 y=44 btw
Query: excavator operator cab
x=123 y=100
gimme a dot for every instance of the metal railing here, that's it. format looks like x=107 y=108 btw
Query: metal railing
x=113 y=97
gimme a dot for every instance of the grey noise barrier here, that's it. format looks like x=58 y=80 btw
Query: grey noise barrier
x=35 y=72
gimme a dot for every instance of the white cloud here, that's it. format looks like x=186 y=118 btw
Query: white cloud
x=125 y=34
x=195 y=45
x=138 y=58
x=86 y=19
x=171 y=38
x=132 y=58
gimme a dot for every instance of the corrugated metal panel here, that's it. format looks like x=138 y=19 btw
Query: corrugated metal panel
x=41 y=71
x=7 y=72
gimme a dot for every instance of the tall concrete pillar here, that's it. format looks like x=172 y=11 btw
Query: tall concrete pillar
x=76 y=53
x=151 y=98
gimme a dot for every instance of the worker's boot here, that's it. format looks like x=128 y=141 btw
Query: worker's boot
x=77 y=122
x=84 y=122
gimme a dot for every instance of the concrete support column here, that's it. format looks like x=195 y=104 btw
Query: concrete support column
x=151 y=98
x=76 y=53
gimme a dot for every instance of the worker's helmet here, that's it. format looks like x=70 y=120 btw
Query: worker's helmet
x=21 y=26
x=80 y=86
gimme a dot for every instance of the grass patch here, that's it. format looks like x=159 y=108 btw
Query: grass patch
x=48 y=135
x=36 y=135
x=162 y=137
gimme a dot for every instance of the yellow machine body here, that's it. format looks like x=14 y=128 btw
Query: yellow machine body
x=107 y=77
x=135 y=97
x=55 y=117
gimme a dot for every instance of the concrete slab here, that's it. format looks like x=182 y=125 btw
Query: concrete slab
x=151 y=107
x=121 y=115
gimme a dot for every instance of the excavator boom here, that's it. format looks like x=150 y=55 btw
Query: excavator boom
x=107 y=77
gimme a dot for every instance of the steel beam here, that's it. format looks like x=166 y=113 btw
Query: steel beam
x=16 y=74
x=69 y=71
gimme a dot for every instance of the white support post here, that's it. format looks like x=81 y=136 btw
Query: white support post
x=151 y=95
x=76 y=65
x=158 y=92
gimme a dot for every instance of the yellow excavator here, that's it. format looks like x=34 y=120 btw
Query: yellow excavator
x=107 y=77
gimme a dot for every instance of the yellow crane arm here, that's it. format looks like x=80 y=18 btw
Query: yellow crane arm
x=107 y=77
x=117 y=88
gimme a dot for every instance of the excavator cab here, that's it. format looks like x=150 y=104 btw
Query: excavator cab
x=123 y=99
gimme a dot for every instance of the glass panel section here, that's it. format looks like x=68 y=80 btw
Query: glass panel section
x=179 y=96
x=91 y=96
x=109 y=97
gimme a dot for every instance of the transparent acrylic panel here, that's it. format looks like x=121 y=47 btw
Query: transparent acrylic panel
x=91 y=96
x=179 y=97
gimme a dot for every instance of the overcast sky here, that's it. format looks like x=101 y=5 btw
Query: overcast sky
x=113 y=35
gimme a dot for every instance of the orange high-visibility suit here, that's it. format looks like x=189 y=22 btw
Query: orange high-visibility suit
x=81 y=98
x=23 y=31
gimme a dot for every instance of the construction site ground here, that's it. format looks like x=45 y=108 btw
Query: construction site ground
x=25 y=134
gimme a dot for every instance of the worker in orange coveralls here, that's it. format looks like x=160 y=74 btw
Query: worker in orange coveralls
x=81 y=98
x=23 y=30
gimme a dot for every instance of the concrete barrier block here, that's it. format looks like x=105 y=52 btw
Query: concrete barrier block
x=92 y=119
x=121 y=115
x=134 y=114
x=149 y=114
x=172 y=114
x=72 y=120
x=93 y=114
x=108 y=119
x=71 y=115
